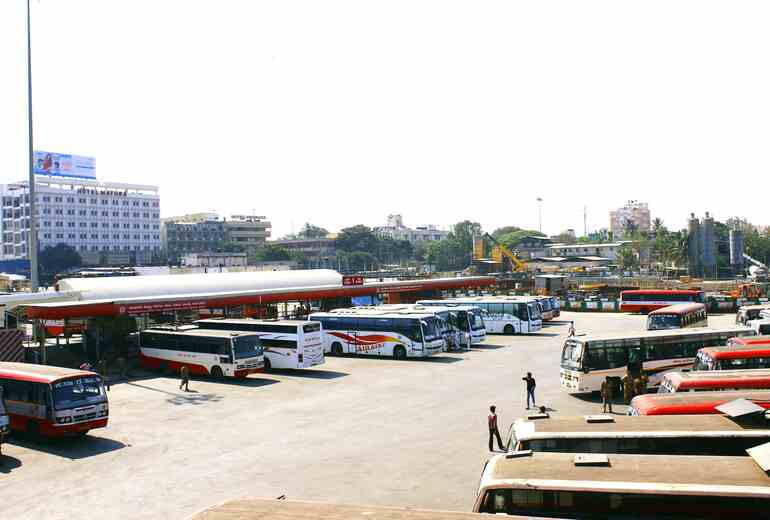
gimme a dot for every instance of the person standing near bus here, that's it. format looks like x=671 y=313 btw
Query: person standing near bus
x=184 y=373
x=531 y=384
x=571 y=331
x=607 y=395
x=493 y=431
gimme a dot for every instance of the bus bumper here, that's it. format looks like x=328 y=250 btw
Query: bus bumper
x=571 y=384
x=63 y=430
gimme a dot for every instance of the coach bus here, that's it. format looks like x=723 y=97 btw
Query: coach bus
x=218 y=353
x=587 y=360
x=715 y=380
x=645 y=301
x=43 y=400
x=378 y=333
x=733 y=357
x=748 y=313
x=680 y=316
x=692 y=403
x=470 y=314
x=656 y=435
x=286 y=343
x=502 y=314
x=615 y=486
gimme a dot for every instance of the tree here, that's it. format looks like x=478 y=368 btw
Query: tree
x=59 y=258
x=357 y=238
x=232 y=247
x=272 y=253
x=627 y=258
x=311 y=231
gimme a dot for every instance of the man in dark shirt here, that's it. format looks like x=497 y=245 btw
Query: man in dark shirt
x=530 y=388
x=493 y=431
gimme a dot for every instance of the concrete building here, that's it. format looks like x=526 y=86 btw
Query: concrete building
x=635 y=212
x=318 y=252
x=207 y=233
x=214 y=260
x=248 y=230
x=532 y=246
x=397 y=231
x=101 y=220
x=608 y=251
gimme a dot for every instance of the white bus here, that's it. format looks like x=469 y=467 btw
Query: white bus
x=469 y=318
x=587 y=360
x=286 y=343
x=205 y=352
x=377 y=333
x=622 y=486
x=502 y=314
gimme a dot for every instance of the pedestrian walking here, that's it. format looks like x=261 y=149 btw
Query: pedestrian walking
x=628 y=388
x=571 y=331
x=531 y=384
x=607 y=385
x=184 y=373
x=493 y=431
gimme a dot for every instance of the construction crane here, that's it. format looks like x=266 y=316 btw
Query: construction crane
x=758 y=271
x=499 y=251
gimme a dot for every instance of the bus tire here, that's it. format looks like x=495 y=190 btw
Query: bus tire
x=399 y=352
x=216 y=372
x=267 y=364
x=508 y=329
x=337 y=348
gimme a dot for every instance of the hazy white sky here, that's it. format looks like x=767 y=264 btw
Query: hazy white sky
x=341 y=112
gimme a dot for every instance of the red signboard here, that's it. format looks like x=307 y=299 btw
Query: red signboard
x=142 y=308
x=352 y=280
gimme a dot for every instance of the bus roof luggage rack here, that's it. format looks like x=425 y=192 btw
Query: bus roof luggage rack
x=591 y=459
x=599 y=418
x=517 y=454
x=761 y=455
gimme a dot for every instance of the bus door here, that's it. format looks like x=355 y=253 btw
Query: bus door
x=635 y=361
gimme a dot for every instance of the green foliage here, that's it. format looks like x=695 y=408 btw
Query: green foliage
x=311 y=231
x=448 y=255
x=357 y=238
x=232 y=247
x=510 y=236
x=627 y=258
x=58 y=258
x=271 y=253
x=358 y=260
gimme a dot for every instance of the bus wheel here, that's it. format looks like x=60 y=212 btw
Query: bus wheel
x=337 y=348
x=399 y=352
x=508 y=329
x=216 y=373
x=267 y=364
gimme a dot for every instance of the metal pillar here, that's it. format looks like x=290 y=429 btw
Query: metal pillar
x=32 y=233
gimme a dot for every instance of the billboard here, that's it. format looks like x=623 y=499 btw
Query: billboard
x=65 y=165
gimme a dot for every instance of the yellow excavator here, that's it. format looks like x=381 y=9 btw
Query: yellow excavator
x=499 y=251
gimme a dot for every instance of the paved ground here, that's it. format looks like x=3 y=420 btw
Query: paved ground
x=378 y=431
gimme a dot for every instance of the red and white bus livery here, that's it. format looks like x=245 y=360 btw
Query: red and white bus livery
x=645 y=301
x=679 y=316
x=716 y=380
x=53 y=401
x=205 y=352
x=693 y=403
x=734 y=357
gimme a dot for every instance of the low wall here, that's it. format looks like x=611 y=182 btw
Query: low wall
x=714 y=304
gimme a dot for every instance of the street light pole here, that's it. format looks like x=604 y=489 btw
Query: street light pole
x=32 y=233
x=540 y=214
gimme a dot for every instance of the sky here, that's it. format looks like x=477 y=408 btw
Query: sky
x=341 y=112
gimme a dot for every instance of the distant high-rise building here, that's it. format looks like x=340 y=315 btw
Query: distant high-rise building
x=634 y=215
x=397 y=231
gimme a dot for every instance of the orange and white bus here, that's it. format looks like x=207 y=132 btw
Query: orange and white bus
x=615 y=486
x=733 y=357
x=679 y=316
x=715 y=380
x=53 y=401
x=693 y=403
x=217 y=353
x=645 y=300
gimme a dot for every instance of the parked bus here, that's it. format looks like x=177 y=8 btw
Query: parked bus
x=376 y=333
x=5 y=421
x=691 y=403
x=715 y=380
x=620 y=486
x=546 y=307
x=761 y=326
x=502 y=314
x=645 y=301
x=654 y=435
x=587 y=360
x=217 y=353
x=750 y=312
x=473 y=315
x=53 y=401
x=679 y=316
x=733 y=357
x=286 y=343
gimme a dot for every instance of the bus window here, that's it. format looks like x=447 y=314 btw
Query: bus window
x=596 y=358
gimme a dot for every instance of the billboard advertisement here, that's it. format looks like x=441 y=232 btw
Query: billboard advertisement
x=65 y=165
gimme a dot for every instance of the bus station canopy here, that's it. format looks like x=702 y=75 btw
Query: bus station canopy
x=183 y=295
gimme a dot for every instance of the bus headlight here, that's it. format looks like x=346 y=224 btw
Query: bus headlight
x=63 y=420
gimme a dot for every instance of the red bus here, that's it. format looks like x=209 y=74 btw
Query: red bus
x=679 y=316
x=733 y=357
x=645 y=301
x=714 y=380
x=748 y=340
x=693 y=403
x=53 y=401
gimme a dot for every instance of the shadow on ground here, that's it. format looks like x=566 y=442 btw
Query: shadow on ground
x=487 y=346
x=8 y=463
x=72 y=448
x=308 y=373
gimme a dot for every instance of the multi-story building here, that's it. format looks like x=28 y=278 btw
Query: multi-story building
x=608 y=251
x=634 y=213
x=247 y=230
x=317 y=252
x=207 y=233
x=98 y=219
x=397 y=231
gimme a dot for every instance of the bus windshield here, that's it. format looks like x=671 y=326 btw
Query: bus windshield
x=2 y=404
x=703 y=362
x=478 y=321
x=534 y=311
x=571 y=355
x=78 y=392
x=430 y=329
x=663 y=322
x=246 y=347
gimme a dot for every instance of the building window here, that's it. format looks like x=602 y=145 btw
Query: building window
x=116 y=236
x=126 y=226
x=83 y=236
x=70 y=235
x=135 y=203
x=94 y=213
x=94 y=224
x=70 y=199
x=105 y=202
x=83 y=224
x=136 y=214
x=125 y=213
x=94 y=236
x=59 y=235
x=115 y=225
x=125 y=203
x=70 y=224
x=94 y=201
x=59 y=224
x=82 y=201
x=105 y=236
x=56 y=199
x=105 y=224
x=57 y=211
x=82 y=212
x=116 y=213
x=46 y=198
